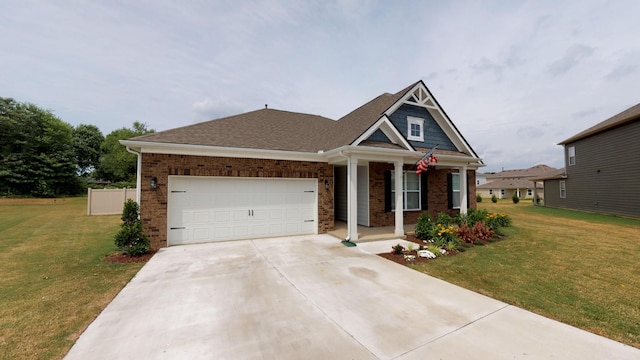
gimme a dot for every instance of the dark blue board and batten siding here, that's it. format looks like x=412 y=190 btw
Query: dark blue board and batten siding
x=606 y=174
x=433 y=133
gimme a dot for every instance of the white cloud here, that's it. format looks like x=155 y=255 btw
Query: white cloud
x=572 y=57
x=209 y=108
x=515 y=77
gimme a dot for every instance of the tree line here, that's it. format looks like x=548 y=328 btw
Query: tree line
x=43 y=156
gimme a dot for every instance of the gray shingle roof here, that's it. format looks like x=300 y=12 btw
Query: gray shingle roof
x=261 y=129
x=355 y=123
x=536 y=170
x=281 y=130
x=554 y=174
x=631 y=114
x=508 y=184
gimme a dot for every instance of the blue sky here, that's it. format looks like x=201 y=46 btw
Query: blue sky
x=516 y=77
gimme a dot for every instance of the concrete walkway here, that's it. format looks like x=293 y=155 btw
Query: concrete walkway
x=309 y=297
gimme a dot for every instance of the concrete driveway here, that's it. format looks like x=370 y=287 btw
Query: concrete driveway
x=310 y=297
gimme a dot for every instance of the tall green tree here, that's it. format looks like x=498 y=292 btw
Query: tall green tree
x=116 y=164
x=87 y=140
x=36 y=152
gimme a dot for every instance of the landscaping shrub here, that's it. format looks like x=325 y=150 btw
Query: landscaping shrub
x=477 y=215
x=515 y=198
x=464 y=234
x=424 y=226
x=495 y=221
x=130 y=237
x=434 y=249
x=482 y=233
x=462 y=218
x=442 y=234
x=397 y=249
x=444 y=219
x=479 y=233
x=478 y=198
x=494 y=199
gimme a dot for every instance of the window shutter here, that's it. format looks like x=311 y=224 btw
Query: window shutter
x=449 y=191
x=468 y=192
x=424 y=194
x=387 y=191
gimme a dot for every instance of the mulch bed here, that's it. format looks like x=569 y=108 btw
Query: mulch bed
x=121 y=258
x=399 y=258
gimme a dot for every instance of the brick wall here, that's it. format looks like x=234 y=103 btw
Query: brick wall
x=437 y=199
x=153 y=203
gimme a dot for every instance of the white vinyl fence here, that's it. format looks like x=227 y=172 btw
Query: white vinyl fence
x=108 y=201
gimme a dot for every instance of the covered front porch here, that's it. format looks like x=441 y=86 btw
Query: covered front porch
x=366 y=233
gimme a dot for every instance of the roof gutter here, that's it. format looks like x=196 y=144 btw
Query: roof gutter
x=205 y=150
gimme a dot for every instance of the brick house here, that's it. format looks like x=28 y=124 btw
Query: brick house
x=276 y=173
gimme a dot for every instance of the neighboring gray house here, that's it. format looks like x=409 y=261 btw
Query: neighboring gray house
x=602 y=168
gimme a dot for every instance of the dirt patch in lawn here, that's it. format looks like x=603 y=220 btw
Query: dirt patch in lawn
x=121 y=258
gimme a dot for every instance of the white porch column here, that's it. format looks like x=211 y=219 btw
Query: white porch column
x=352 y=198
x=397 y=175
x=463 y=189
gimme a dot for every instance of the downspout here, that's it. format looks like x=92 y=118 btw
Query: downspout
x=138 y=173
x=347 y=241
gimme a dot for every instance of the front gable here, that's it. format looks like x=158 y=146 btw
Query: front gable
x=433 y=133
x=418 y=108
x=386 y=132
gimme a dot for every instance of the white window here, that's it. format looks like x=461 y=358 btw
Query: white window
x=529 y=192
x=415 y=128
x=563 y=190
x=502 y=192
x=490 y=191
x=572 y=155
x=410 y=190
x=455 y=190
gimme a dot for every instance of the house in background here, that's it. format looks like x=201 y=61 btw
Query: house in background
x=272 y=173
x=505 y=183
x=602 y=168
x=481 y=178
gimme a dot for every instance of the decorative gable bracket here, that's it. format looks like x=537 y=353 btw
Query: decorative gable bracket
x=384 y=124
x=420 y=97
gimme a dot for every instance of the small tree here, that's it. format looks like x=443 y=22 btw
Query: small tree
x=130 y=237
x=494 y=199
x=515 y=198
x=478 y=198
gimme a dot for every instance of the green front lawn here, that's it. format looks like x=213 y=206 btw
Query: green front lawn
x=53 y=278
x=578 y=268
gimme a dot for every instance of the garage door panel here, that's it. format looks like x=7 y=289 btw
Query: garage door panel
x=275 y=214
x=203 y=209
x=201 y=233
x=222 y=233
x=240 y=215
x=201 y=216
x=292 y=214
x=240 y=232
x=222 y=216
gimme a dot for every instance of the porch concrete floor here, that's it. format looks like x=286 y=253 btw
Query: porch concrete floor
x=366 y=233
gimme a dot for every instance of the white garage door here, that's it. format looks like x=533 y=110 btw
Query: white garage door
x=205 y=209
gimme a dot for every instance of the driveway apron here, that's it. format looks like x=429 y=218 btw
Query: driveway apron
x=310 y=297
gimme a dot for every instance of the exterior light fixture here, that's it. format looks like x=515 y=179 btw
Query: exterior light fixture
x=154 y=183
